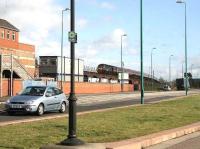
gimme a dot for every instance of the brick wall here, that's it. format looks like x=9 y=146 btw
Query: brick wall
x=17 y=86
x=80 y=87
x=5 y=87
x=27 y=47
x=9 y=42
x=91 y=88
x=25 y=53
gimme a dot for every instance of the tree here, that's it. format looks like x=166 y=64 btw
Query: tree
x=189 y=75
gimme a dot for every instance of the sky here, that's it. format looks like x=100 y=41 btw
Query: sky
x=100 y=24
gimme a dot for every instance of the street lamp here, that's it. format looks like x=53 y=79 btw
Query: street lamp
x=170 y=69
x=182 y=69
x=66 y=9
x=141 y=54
x=122 y=66
x=192 y=67
x=186 y=76
x=72 y=139
x=152 y=68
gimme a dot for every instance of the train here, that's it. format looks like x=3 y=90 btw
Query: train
x=109 y=69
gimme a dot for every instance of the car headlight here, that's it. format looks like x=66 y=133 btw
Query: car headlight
x=8 y=101
x=29 y=102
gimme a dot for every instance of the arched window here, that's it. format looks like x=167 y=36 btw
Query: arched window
x=13 y=36
x=8 y=35
x=2 y=34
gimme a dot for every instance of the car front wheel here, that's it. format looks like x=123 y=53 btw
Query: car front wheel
x=40 y=110
x=62 y=107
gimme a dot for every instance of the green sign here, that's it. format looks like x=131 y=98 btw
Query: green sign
x=72 y=37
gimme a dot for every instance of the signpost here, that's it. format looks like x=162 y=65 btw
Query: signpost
x=72 y=37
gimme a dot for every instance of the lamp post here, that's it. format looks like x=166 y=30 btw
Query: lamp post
x=122 y=66
x=141 y=54
x=152 y=68
x=182 y=69
x=186 y=76
x=62 y=48
x=170 y=69
x=72 y=139
x=192 y=67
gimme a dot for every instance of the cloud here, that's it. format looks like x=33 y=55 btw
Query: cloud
x=96 y=52
x=111 y=41
x=37 y=20
x=40 y=25
x=107 y=5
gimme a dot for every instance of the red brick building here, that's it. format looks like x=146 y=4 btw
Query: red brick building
x=21 y=55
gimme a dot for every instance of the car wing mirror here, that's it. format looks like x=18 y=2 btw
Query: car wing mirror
x=48 y=95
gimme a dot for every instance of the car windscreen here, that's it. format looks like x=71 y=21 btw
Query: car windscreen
x=33 y=91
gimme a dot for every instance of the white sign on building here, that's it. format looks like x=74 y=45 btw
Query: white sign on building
x=123 y=76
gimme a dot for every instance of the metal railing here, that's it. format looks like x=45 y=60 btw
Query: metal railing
x=13 y=64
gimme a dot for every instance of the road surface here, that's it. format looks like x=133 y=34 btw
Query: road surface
x=94 y=102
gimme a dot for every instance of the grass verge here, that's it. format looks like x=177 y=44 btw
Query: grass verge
x=107 y=126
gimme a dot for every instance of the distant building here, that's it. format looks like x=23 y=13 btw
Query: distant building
x=19 y=57
x=50 y=67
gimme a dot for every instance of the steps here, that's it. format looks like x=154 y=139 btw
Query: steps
x=9 y=62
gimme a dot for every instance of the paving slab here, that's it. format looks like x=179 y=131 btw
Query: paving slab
x=153 y=139
x=85 y=146
x=190 y=141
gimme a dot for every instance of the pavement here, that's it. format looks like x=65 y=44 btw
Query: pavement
x=190 y=141
x=85 y=146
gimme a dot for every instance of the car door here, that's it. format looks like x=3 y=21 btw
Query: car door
x=49 y=99
x=55 y=100
x=58 y=98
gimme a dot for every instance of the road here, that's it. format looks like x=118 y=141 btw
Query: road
x=94 y=102
x=191 y=141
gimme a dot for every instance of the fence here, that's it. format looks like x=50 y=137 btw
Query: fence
x=80 y=87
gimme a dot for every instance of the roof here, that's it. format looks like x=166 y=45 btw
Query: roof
x=7 y=25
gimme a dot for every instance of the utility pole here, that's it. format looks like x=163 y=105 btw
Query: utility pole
x=141 y=53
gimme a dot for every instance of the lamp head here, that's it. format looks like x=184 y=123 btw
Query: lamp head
x=66 y=9
x=180 y=1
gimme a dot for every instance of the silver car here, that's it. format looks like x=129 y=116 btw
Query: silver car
x=37 y=99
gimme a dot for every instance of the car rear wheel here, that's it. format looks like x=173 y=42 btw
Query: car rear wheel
x=62 y=107
x=40 y=110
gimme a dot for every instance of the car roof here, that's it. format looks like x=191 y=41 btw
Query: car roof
x=41 y=86
x=36 y=86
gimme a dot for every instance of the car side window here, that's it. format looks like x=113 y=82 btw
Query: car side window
x=50 y=92
x=57 y=91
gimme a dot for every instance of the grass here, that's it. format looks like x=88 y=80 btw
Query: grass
x=107 y=126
